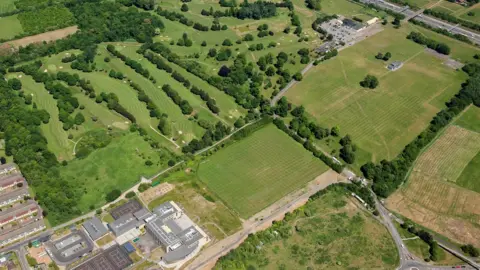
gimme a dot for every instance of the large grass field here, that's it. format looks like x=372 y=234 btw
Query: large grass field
x=117 y=166
x=10 y=26
x=259 y=170
x=331 y=232
x=7 y=6
x=438 y=193
x=381 y=121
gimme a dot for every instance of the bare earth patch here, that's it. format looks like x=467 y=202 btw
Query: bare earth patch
x=432 y=199
x=48 y=36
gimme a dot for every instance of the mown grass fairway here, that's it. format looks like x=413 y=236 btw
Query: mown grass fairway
x=384 y=120
x=10 y=27
x=257 y=171
x=117 y=166
x=331 y=232
x=433 y=196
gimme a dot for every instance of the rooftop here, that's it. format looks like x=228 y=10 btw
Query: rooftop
x=124 y=224
x=395 y=65
x=11 y=179
x=21 y=192
x=352 y=24
x=67 y=241
x=129 y=207
x=23 y=230
x=18 y=210
x=95 y=228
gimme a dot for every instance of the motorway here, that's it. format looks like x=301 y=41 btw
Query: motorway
x=436 y=23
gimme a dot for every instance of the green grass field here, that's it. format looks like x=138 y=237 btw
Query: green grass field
x=331 y=232
x=470 y=119
x=10 y=27
x=259 y=170
x=7 y=6
x=384 y=120
x=117 y=166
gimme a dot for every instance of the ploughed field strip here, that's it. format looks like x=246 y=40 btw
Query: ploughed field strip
x=432 y=197
x=259 y=170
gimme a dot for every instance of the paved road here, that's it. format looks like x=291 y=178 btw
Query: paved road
x=22 y=259
x=436 y=23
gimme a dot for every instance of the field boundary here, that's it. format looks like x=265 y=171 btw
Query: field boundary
x=47 y=37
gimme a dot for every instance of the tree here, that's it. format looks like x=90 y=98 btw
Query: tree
x=204 y=43
x=15 y=84
x=227 y=42
x=313 y=4
x=113 y=195
x=387 y=56
x=184 y=7
x=298 y=111
x=379 y=55
x=370 y=81
x=79 y=119
x=248 y=37
x=298 y=76
x=148 y=163
x=347 y=153
x=3 y=160
x=335 y=131
x=470 y=250
x=171 y=162
x=130 y=194
x=164 y=126
x=239 y=123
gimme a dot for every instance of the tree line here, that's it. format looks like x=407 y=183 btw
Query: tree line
x=430 y=43
x=453 y=19
x=256 y=10
x=442 y=31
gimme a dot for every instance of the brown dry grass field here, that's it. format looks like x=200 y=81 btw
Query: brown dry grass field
x=48 y=36
x=432 y=199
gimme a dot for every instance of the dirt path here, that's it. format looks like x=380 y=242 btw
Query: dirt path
x=263 y=220
x=48 y=36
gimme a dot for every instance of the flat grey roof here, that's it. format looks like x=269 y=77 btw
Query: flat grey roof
x=23 y=191
x=95 y=228
x=124 y=224
x=142 y=214
x=165 y=210
x=180 y=253
x=114 y=258
x=72 y=250
x=25 y=229
x=67 y=241
x=163 y=232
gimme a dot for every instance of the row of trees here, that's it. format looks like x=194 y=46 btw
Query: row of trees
x=177 y=99
x=179 y=17
x=113 y=103
x=211 y=103
x=453 y=19
x=130 y=62
x=427 y=237
x=442 y=31
x=211 y=135
x=256 y=10
x=388 y=175
x=430 y=43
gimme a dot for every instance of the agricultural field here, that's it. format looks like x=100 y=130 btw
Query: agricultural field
x=46 y=19
x=437 y=195
x=7 y=6
x=384 y=120
x=330 y=232
x=471 y=14
x=348 y=8
x=117 y=166
x=10 y=27
x=257 y=171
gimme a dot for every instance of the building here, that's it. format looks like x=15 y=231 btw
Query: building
x=6 y=169
x=22 y=233
x=395 y=65
x=95 y=228
x=126 y=228
x=10 y=181
x=14 y=196
x=18 y=212
x=353 y=25
x=175 y=232
x=372 y=21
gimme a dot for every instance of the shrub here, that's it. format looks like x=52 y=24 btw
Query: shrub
x=130 y=194
x=113 y=195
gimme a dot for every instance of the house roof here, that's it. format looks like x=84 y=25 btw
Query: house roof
x=21 y=192
x=11 y=179
x=18 y=210
x=95 y=228
x=25 y=229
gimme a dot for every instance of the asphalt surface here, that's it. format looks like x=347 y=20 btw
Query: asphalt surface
x=436 y=23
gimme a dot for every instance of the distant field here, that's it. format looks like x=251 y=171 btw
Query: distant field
x=336 y=234
x=10 y=27
x=46 y=19
x=434 y=197
x=7 y=6
x=117 y=166
x=259 y=170
x=384 y=120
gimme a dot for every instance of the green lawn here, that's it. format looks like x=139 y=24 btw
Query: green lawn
x=331 y=232
x=470 y=119
x=259 y=170
x=117 y=166
x=381 y=121
x=10 y=27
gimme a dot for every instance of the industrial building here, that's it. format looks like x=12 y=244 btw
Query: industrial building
x=129 y=219
x=95 y=228
x=175 y=232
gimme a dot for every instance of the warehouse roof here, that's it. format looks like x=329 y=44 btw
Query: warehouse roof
x=124 y=224
x=95 y=228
